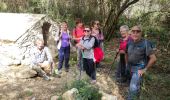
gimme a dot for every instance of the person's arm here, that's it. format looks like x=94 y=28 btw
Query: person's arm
x=33 y=57
x=88 y=45
x=48 y=54
x=152 y=60
x=101 y=36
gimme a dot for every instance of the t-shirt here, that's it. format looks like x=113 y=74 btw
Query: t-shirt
x=78 y=33
x=64 y=39
x=139 y=51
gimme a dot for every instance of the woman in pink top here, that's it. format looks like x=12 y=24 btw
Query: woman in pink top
x=96 y=31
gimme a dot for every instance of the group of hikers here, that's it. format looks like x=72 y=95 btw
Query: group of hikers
x=136 y=53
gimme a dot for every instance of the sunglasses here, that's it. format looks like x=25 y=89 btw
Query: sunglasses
x=97 y=23
x=137 y=31
x=86 y=30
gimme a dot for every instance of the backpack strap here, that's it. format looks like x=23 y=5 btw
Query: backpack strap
x=146 y=50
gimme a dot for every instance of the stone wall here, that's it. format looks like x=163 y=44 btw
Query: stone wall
x=18 y=52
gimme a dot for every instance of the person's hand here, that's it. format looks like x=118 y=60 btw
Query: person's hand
x=82 y=47
x=141 y=71
x=78 y=45
x=122 y=51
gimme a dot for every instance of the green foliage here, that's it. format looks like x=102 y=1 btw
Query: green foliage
x=155 y=86
x=3 y=6
x=86 y=91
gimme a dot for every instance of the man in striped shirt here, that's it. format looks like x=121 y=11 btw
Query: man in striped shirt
x=41 y=59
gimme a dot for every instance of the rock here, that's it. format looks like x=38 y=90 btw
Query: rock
x=55 y=97
x=16 y=62
x=5 y=61
x=26 y=62
x=26 y=73
x=108 y=96
x=70 y=94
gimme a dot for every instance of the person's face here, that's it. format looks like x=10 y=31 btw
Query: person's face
x=40 y=45
x=87 y=31
x=64 y=26
x=123 y=32
x=136 y=33
x=96 y=24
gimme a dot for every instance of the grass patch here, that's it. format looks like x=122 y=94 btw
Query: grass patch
x=156 y=87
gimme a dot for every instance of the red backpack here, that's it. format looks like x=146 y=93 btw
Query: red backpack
x=98 y=54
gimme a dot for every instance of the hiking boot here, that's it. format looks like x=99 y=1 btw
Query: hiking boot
x=45 y=77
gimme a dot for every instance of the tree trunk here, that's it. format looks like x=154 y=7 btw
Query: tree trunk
x=110 y=26
x=113 y=17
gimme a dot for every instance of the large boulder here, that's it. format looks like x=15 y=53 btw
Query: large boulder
x=26 y=73
x=19 y=72
x=70 y=94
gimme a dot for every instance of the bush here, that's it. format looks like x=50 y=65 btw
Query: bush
x=86 y=91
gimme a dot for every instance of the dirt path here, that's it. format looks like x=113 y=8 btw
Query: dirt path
x=37 y=88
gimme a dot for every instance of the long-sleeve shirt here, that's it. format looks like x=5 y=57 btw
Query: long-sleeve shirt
x=38 y=56
x=88 y=43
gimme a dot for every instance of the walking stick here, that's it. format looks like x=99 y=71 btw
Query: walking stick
x=112 y=64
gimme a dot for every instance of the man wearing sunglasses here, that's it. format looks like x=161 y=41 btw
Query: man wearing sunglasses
x=140 y=55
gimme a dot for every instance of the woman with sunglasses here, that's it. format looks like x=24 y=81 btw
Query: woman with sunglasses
x=86 y=45
x=96 y=31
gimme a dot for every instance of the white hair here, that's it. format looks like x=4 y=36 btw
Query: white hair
x=124 y=27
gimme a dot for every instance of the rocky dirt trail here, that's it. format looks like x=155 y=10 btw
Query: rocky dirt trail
x=14 y=88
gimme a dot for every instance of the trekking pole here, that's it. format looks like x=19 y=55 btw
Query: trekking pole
x=112 y=64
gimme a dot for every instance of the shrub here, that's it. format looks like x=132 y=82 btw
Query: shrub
x=86 y=91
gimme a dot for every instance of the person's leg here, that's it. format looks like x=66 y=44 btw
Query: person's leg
x=102 y=47
x=92 y=69
x=123 y=67
x=79 y=59
x=61 y=58
x=40 y=72
x=46 y=66
x=134 y=88
x=85 y=66
x=66 y=57
x=118 y=72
